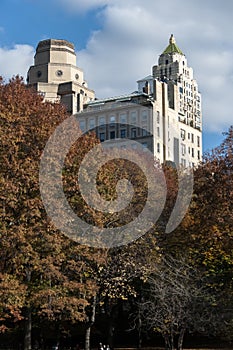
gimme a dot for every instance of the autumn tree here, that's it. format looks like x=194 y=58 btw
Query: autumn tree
x=206 y=231
x=212 y=240
x=126 y=265
x=49 y=272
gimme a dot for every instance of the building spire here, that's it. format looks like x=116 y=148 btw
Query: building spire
x=172 y=39
x=172 y=47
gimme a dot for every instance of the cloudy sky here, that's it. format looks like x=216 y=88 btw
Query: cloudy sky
x=118 y=41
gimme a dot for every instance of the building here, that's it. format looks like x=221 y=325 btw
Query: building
x=164 y=115
x=56 y=76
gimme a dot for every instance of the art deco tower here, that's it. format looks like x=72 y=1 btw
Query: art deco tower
x=172 y=67
x=56 y=76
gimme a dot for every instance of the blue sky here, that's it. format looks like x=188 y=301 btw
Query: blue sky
x=118 y=41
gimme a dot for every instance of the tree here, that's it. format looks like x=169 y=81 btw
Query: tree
x=206 y=231
x=176 y=301
x=122 y=277
x=34 y=254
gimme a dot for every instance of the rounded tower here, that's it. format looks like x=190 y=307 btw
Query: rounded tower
x=56 y=75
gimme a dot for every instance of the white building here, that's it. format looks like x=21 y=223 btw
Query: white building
x=164 y=115
x=56 y=76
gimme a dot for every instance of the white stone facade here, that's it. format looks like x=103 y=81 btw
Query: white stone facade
x=170 y=99
x=164 y=115
x=56 y=76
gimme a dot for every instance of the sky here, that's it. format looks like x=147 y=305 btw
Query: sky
x=117 y=42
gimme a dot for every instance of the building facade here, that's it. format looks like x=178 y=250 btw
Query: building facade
x=56 y=76
x=164 y=115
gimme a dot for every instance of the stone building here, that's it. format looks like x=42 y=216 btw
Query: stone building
x=164 y=115
x=56 y=76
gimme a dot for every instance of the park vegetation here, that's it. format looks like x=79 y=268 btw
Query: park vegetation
x=176 y=287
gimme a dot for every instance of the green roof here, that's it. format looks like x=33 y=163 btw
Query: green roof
x=172 y=47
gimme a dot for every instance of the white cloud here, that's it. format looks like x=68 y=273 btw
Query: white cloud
x=134 y=33
x=15 y=60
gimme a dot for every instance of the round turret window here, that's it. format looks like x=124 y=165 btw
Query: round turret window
x=59 y=73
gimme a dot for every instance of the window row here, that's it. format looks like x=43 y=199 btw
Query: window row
x=190 y=137
x=191 y=151
x=123 y=133
x=112 y=119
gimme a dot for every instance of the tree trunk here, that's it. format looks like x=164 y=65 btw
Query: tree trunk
x=90 y=324
x=139 y=334
x=28 y=330
x=88 y=338
x=167 y=342
x=111 y=329
x=180 y=339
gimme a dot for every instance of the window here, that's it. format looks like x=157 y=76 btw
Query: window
x=101 y=121
x=183 y=149
x=144 y=116
x=122 y=118
x=198 y=141
x=91 y=123
x=182 y=134
x=158 y=131
x=192 y=152
x=183 y=162
x=112 y=135
x=192 y=138
x=144 y=132
x=158 y=147
x=198 y=155
x=123 y=133
x=133 y=132
x=158 y=117
x=133 y=117
x=112 y=120
x=188 y=135
x=102 y=136
x=59 y=73
x=82 y=125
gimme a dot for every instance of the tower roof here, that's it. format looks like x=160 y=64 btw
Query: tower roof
x=172 y=47
x=48 y=43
